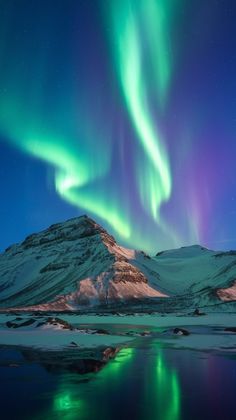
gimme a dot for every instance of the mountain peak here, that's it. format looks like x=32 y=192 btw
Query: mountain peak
x=70 y=230
x=184 y=252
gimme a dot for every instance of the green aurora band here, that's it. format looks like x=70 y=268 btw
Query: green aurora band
x=76 y=167
x=134 y=23
x=79 y=149
x=79 y=145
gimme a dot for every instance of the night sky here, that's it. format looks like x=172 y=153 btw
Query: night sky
x=124 y=110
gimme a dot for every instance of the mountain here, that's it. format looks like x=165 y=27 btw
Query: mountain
x=78 y=265
x=70 y=264
x=195 y=276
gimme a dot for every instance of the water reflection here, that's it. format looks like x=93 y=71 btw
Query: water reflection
x=167 y=390
x=83 y=399
x=146 y=382
x=116 y=366
x=158 y=397
x=68 y=406
x=162 y=388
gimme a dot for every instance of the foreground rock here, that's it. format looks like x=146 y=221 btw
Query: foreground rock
x=181 y=331
x=230 y=329
x=79 y=361
x=197 y=312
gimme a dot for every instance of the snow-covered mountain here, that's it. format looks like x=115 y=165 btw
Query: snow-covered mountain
x=70 y=264
x=77 y=264
x=195 y=276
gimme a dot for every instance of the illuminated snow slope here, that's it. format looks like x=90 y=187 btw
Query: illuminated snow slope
x=195 y=276
x=77 y=264
x=71 y=264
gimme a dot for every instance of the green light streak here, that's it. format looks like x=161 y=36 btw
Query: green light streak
x=168 y=391
x=129 y=20
x=158 y=16
x=151 y=196
x=175 y=407
x=162 y=395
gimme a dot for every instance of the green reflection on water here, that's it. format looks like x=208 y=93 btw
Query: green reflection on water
x=115 y=366
x=70 y=402
x=65 y=402
x=167 y=391
x=68 y=406
x=150 y=376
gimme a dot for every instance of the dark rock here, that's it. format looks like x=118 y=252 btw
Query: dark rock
x=181 y=331
x=145 y=333
x=10 y=324
x=198 y=313
x=230 y=329
x=101 y=331
x=58 y=321
x=72 y=359
x=14 y=324
x=72 y=343
x=109 y=353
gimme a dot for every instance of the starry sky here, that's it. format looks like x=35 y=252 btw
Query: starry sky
x=122 y=110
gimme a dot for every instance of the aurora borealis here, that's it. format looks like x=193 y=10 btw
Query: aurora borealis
x=124 y=110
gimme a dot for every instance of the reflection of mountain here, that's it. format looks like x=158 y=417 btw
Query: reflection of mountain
x=74 y=361
x=77 y=265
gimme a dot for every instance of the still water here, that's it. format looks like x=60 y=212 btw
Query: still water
x=144 y=381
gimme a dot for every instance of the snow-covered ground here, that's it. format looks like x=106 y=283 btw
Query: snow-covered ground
x=59 y=339
x=158 y=321
x=205 y=332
